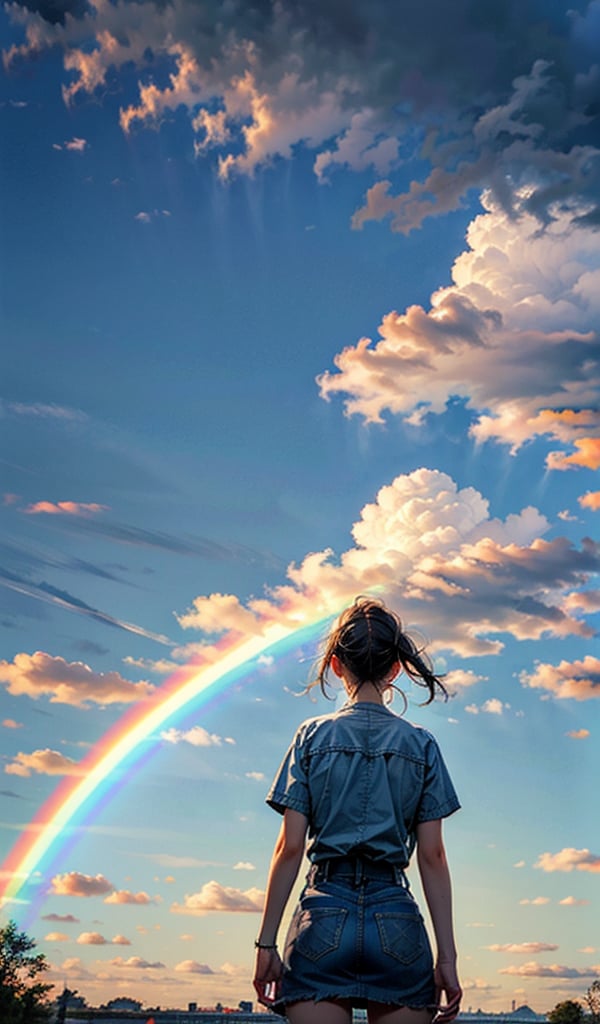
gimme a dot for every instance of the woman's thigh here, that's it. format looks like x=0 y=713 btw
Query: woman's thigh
x=325 y=1011
x=379 y=1013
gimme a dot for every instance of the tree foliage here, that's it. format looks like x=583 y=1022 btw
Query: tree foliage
x=592 y=1001
x=568 y=1012
x=22 y=993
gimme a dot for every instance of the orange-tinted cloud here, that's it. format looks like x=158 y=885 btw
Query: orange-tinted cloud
x=9 y=723
x=569 y=859
x=575 y=680
x=578 y=734
x=586 y=454
x=535 y=970
x=123 y=896
x=590 y=500
x=522 y=947
x=40 y=675
x=42 y=762
x=91 y=939
x=64 y=508
x=75 y=884
x=214 y=897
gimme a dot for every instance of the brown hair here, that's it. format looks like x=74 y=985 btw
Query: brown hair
x=369 y=640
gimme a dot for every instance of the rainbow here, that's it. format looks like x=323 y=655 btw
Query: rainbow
x=79 y=797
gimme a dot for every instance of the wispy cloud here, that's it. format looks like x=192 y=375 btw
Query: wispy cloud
x=49 y=594
x=535 y=970
x=64 y=508
x=523 y=947
x=578 y=734
x=40 y=410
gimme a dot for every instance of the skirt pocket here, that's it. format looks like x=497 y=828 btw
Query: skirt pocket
x=316 y=932
x=402 y=936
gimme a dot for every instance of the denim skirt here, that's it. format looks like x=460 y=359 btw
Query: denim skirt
x=358 y=939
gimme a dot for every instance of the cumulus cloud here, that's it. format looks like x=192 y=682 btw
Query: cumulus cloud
x=244 y=865
x=572 y=901
x=521 y=307
x=40 y=675
x=64 y=508
x=73 y=883
x=123 y=896
x=214 y=897
x=569 y=859
x=197 y=736
x=575 y=680
x=120 y=940
x=522 y=947
x=493 y=706
x=193 y=967
x=56 y=937
x=358 y=86
x=42 y=762
x=432 y=549
x=459 y=679
x=137 y=963
x=91 y=939
x=535 y=970
x=590 y=500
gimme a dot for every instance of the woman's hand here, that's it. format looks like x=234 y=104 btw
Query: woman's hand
x=268 y=969
x=446 y=981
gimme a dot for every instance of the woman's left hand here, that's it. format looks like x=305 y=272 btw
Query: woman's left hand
x=268 y=969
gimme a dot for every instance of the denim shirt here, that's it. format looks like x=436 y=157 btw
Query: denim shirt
x=364 y=778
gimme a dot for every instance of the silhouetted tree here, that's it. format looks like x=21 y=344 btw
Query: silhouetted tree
x=568 y=1012
x=22 y=995
x=592 y=1001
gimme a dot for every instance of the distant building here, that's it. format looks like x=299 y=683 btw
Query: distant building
x=123 y=1003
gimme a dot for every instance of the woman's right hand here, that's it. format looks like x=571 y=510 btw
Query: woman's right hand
x=446 y=981
x=268 y=969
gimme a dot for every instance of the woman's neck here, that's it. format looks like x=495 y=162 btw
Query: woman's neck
x=364 y=692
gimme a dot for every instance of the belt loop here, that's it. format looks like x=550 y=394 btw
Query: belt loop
x=358 y=872
x=324 y=867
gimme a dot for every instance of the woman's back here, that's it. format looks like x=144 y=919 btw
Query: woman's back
x=364 y=778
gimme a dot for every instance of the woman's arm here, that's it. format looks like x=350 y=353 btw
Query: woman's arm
x=435 y=876
x=285 y=864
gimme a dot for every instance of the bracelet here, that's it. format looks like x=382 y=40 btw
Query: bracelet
x=264 y=945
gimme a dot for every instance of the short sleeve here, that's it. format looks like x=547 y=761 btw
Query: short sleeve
x=290 y=785
x=438 y=798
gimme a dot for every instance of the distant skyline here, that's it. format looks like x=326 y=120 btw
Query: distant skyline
x=298 y=302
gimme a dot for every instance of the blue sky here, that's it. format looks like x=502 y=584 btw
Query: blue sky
x=205 y=208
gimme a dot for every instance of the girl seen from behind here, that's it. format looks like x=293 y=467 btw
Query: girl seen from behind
x=367 y=788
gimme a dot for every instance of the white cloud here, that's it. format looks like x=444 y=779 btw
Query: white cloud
x=124 y=896
x=520 y=307
x=537 y=901
x=256 y=776
x=214 y=897
x=432 y=550
x=244 y=865
x=197 y=736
